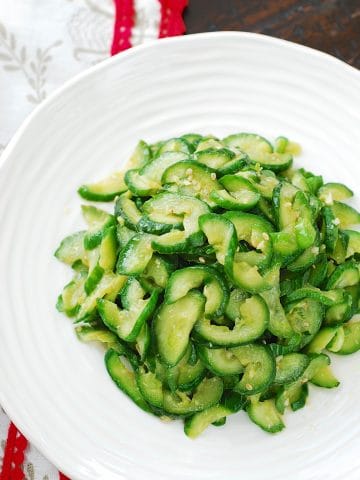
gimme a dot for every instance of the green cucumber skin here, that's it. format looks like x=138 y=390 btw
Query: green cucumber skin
x=126 y=385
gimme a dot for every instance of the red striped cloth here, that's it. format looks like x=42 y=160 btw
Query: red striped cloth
x=171 y=23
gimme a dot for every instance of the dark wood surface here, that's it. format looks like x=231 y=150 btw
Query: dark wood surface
x=329 y=25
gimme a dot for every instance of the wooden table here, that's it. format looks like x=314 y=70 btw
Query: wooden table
x=332 y=26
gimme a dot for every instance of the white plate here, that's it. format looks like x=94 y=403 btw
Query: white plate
x=56 y=389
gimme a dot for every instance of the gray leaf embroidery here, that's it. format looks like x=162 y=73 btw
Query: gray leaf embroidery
x=34 y=69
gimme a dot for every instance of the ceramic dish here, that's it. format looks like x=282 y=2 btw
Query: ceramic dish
x=55 y=388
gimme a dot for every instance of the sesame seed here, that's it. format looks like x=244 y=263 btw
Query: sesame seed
x=287 y=402
x=213 y=176
x=315 y=250
x=287 y=204
x=186 y=182
x=201 y=259
x=336 y=221
x=248 y=386
x=265 y=236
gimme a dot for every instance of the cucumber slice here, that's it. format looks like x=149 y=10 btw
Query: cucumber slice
x=196 y=424
x=206 y=394
x=173 y=242
x=104 y=190
x=305 y=260
x=108 y=250
x=215 y=158
x=220 y=361
x=159 y=209
x=294 y=396
x=254 y=230
x=290 y=367
x=265 y=183
x=305 y=316
x=340 y=312
x=325 y=378
x=318 y=271
x=265 y=209
x=330 y=229
x=329 y=298
x=244 y=271
x=109 y=286
x=193 y=179
x=221 y=234
x=353 y=246
x=334 y=191
x=98 y=221
x=192 y=138
x=150 y=388
x=143 y=341
x=339 y=254
x=252 y=321
x=337 y=341
x=175 y=145
x=280 y=144
x=158 y=271
x=321 y=340
x=71 y=249
x=190 y=209
x=283 y=198
x=209 y=142
x=147 y=180
x=141 y=155
x=236 y=298
x=259 y=368
x=127 y=323
x=279 y=325
x=222 y=160
x=211 y=282
x=136 y=255
x=250 y=143
x=186 y=375
x=259 y=151
x=345 y=216
x=173 y=324
x=124 y=235
x=239 y=194
x=87 y=333
x=126 y=209
x=248 y=277
x=93 y=279
x=265 y=415
x=124 y=378
x=351 y=341
x=73 y=295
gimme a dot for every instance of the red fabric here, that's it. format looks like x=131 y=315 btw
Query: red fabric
x=14 y=455
x=172 y=22
x=62 y=476
x=124 y=21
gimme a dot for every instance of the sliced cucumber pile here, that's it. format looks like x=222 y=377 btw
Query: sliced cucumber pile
x=219 y=281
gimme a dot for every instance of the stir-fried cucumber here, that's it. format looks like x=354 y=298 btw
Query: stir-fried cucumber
x=219 y=282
